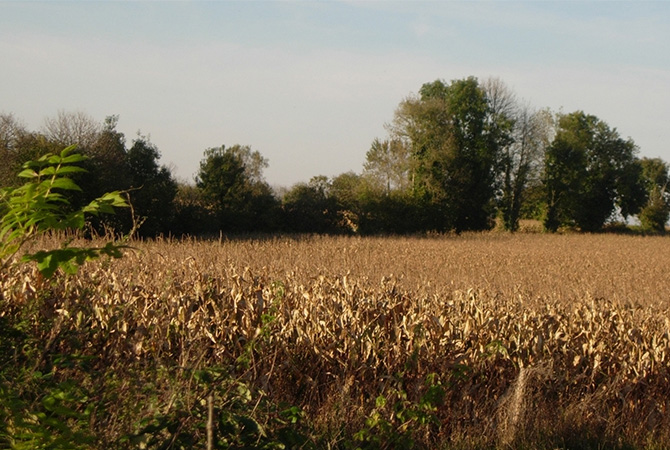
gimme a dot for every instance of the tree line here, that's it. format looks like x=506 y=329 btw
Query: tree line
x=459 y=156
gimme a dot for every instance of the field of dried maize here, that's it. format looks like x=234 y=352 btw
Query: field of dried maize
x=473 y=341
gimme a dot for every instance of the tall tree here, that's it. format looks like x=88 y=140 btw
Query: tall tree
x=107 y=166
x=352 y=194
x=387 y=162
x=153 y=188
x=522 y=161
x=654 y=215
x=310 y=207
x=254 y=163
x=12 y=133
x=452 y=153
x=521 y=136
x=590 y=172
x=70 y=128
x=11 y=130
x=347 y=189
x=192 y=213
x=231 y=180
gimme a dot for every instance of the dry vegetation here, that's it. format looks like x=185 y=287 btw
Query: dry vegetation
x=472 y=341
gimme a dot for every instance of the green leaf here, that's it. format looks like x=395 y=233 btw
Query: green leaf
x=65 y=184
x=53 y=159
x=48 y=171
x=69 y=259
x=67 y=150
x=106 y=204
x=46 y=265
x=75 y=220
x=71 y=169
x=35 y=207
x=75 y=158
x=27 y=173
x=115 y=198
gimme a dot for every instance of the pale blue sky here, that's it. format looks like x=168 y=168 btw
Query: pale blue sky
x=310 y=84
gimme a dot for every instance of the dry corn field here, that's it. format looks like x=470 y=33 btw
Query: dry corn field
x=535 y=341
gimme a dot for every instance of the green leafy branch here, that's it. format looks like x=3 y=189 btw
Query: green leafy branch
x=395 y=418
x=40 y=205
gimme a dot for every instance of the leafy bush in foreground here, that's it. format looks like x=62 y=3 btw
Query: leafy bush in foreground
x=38 y=409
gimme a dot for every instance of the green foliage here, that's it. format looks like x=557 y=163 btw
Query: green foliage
x=56 y=419
x=240 y=417
x=395 y=420
x=39 y=409
x=40 y=206
x=387 y=163
x=520 y=162
x=453 y=154
x=153 y=189
x=589 y=172
x=231 y=182
x=109 y=167
x=193 y=215
x=12 y=136
x=397 y=213
x=309 y=207
x=654 y=215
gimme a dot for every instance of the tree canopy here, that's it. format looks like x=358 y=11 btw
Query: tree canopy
x=231 y=180
x=590 y=173
x=655 y=175
x=459 y=155
x=453 y=154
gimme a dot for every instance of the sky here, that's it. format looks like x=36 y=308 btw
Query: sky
x=310 y=84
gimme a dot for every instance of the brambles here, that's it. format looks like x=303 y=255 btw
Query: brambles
x=480 y=340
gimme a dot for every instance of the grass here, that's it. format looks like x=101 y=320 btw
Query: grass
x=483 y=340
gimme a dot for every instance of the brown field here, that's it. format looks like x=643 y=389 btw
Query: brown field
x=534 y=340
